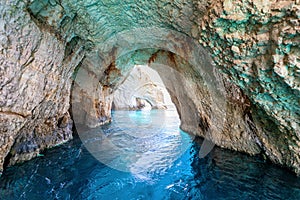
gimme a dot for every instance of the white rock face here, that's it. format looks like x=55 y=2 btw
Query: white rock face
x=142 y=83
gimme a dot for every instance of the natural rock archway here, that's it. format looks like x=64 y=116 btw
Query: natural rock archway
x=143 y=83
x=45 y=44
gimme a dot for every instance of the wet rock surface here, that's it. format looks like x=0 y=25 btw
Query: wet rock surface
x=34 y=86
x=256 y=43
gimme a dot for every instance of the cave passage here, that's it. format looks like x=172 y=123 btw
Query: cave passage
x=231 y=68
x=144 y=134
x=144 y=155
x=143 y=89
x=70 y=171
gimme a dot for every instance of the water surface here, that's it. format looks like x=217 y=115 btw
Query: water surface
x=158 y=171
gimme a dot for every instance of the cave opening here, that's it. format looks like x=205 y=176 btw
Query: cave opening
x=143 y=89
x=184 y=97
x=246 y=101
x=145 y=124
x=141 y=104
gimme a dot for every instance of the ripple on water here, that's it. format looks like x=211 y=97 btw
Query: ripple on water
x=155 y=170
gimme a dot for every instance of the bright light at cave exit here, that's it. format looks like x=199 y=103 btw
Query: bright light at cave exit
x=142 y=90
x=144 y=137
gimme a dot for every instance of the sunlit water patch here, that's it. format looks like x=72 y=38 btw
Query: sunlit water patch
x=166 y=166
x=140 y=142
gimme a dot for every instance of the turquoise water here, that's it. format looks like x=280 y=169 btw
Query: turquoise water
x=160 y=171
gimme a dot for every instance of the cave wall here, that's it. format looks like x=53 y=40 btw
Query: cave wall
x=35 y=81
x=255 y=44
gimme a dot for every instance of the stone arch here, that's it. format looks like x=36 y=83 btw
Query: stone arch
x=145 y=83
x=141 y=102
x=199 y=92
x=54 y=36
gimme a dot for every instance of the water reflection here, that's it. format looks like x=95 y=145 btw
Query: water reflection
x=140 y=142
x=71 y=172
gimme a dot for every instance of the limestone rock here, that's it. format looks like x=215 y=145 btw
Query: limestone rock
x=142 y=83
x=265 y=68
x=35 y=82
x=255 y=45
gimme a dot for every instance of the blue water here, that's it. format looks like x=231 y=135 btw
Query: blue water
x=70 y=171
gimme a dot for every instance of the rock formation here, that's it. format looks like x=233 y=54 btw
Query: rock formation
x=251 y=105
x=143 y=83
